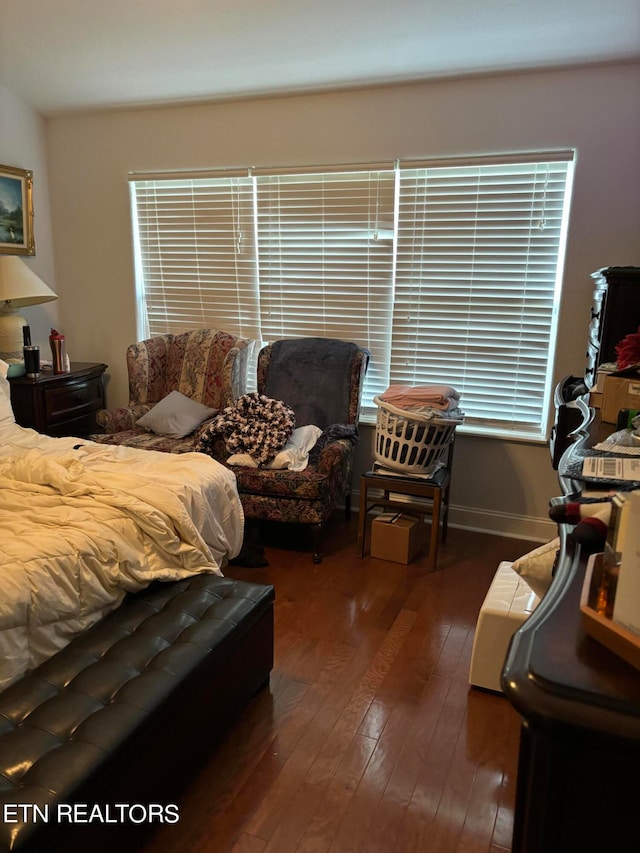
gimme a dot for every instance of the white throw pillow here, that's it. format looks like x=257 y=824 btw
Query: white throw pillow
x=176 y=416
x=536 y=566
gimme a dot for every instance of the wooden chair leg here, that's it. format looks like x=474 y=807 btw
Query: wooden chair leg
x=445 y=512
x=445 y=497
x=435 y=531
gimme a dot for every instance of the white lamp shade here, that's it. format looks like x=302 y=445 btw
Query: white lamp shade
x=19 y=285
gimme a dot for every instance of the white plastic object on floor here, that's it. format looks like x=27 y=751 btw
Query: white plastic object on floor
x=507 y=604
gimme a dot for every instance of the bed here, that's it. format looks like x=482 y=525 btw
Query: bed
x=83 y=524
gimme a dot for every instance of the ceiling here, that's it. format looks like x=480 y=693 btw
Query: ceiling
x=69 y=55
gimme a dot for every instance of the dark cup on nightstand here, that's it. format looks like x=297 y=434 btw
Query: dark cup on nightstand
x=31 y=361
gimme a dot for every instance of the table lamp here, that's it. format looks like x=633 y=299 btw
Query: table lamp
x=19 y=286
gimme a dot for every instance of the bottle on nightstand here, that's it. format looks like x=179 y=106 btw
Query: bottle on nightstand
x=57 y=343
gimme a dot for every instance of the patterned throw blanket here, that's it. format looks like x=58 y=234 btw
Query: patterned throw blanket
x=256 y=425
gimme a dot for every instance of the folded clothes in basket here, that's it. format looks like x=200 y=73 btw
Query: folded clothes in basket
x=443 y=398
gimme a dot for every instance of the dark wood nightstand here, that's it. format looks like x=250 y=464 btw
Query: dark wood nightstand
x=60 y=403
x=579 y=702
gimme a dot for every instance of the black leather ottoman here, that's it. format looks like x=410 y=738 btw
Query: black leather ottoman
x=125 y=711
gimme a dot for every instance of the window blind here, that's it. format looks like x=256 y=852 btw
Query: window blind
x=196 y=254
x=325 y=257
x=447 y=273
x=479 y=252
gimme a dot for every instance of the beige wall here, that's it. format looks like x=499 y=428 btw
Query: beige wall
x=497 y=485
x=23 y=145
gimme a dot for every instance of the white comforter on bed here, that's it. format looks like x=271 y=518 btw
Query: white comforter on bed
x=82 y=524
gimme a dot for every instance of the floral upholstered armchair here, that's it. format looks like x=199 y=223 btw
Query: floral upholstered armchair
x=321 y=379
x=207 y=366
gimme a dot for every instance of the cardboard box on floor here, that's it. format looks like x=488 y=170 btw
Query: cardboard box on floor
x=396 y=537
x=621 y=391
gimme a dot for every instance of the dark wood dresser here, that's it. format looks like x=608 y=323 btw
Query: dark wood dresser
x=580 y=708
x=579 y=754
x=60 y=404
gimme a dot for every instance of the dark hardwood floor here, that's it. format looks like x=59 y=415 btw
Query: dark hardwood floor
x=369 y=737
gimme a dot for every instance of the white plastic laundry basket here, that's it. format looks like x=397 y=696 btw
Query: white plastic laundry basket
x=411 y=442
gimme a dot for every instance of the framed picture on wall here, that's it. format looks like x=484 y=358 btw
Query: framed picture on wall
x=16 y=211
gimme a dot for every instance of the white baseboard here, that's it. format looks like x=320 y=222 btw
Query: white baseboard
x=503 y=524
x=496 y=523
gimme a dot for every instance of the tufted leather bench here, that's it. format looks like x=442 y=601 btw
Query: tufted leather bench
x=125 y=711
